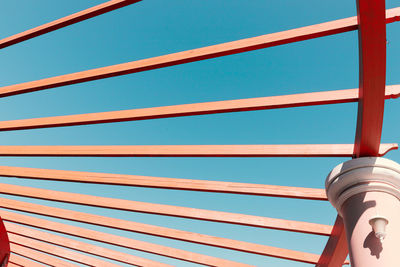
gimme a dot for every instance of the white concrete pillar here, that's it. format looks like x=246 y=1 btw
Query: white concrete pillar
x=366 y=193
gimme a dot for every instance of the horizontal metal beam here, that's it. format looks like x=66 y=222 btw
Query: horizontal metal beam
x=116 y=240
x=167 y=210
x=310 y=150
x=244 y=45
x=165 y=183
x=58 y=251
x=251 y=104
x=65 y=21
x=80 y=246
x=39 y=256
x=159 y=231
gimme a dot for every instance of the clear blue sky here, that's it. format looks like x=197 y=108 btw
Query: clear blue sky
x=157 y=27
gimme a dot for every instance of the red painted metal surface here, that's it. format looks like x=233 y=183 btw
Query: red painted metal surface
x=372 y=46
x=4 y=245
x=261 y=103
x=159 y=231
x=244 y=45
x=166 y=183
x=168 y=210
x=336 y=250
x=66 y=21
x=117 y=240
x=314 y=150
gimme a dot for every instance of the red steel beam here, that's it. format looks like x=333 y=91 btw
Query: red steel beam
x=336 y=250
x=167 y=210
x=165 y=183
x=230 y=48
x=116 y=240
x=16 y=260
x=372 y=69
x=65 y=21
x=81 y=246
x=60 y=252
x=159 y=231
x=39 y=256
x=310 y=150
x=261 y=103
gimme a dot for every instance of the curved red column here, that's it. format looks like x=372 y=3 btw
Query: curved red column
x=372 y=68
x=4 y=245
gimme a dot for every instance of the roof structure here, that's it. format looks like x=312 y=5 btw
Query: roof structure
x=58 y=234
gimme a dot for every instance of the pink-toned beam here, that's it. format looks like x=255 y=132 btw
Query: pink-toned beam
x=244 y=45
x=261 y=103
x=336 y=250
x=159 y=231
x=65 y=21
x=116 y=240
x=22 y=261
x=168 y=210
x=39 y=256
x=166 y=183
x=80 y=246
x=314 y=150
x=60 y=252
x=372 y=69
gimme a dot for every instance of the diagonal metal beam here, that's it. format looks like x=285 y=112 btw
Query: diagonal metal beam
x=116 y=240
x=81 y=246
x=336 y=250
x=260 y=103
x=372 y=69
x=39 y=256
x=61 y=252
x=159 y=231
x=22 y=261
x=310 y=150
x=65 y=21
x=165 y=183
x=167 y=210
x=230 y=48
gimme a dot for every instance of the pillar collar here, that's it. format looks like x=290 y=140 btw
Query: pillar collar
x=362 y=175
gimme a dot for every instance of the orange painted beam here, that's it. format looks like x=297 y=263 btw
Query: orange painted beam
x=314 y=150
x=244 y=45
x=39 y=256
x=166 y=183
x=372 y=69
x=22 y=261
x=80 y=246
x=159 y=231
x=251 y=104
x=336 y=250
x=60 y=252
x=65 y=21
x=168 y=210
x=116 y=240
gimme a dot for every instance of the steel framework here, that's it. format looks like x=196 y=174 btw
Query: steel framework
x=32 y=247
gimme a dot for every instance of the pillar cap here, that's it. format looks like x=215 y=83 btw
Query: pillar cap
x=362 y=175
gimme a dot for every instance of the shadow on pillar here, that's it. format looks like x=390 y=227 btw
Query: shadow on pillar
x=374 y=244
